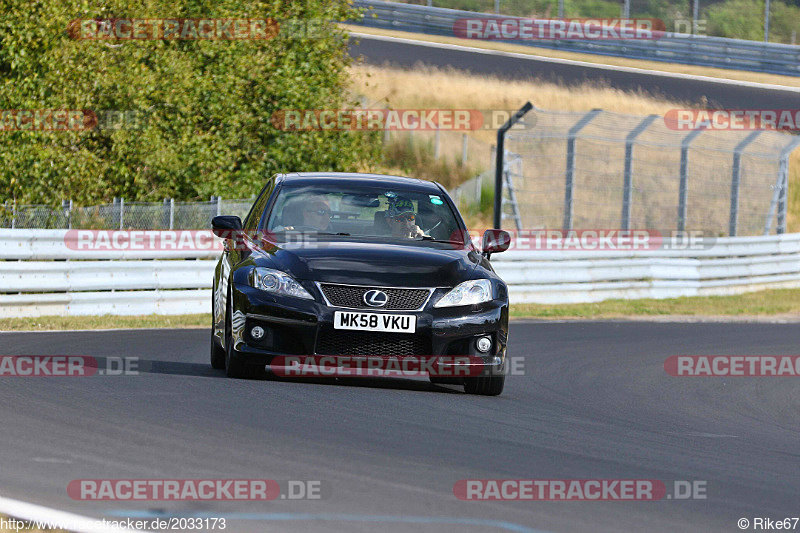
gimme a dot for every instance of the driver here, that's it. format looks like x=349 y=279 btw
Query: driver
x=308 y=211
x=401 y=219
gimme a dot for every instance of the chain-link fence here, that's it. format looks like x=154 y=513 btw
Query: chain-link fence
x=608 y=170
x=120 y=214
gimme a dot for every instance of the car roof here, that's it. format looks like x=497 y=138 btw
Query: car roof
x=299 y=179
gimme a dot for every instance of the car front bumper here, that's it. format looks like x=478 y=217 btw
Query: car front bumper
x=294 y=326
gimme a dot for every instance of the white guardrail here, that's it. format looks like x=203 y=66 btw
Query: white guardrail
x=40 y=275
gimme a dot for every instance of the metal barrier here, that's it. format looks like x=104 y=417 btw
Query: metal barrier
x=733 y=265
x=108 y=284
x=718 y=52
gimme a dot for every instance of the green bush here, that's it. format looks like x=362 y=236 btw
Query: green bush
x=207 y=103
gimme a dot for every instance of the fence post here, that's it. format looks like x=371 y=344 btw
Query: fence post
x=436 y=143
x=628 y=181
x=219 y=205
x=498 y=164
x=570 y=175
x=66 y=205
x=684 y=191
x=14 y=214
x=783 y=179
x=736 y=178
x=121 y=213
x=171 y=213
x=464 y=149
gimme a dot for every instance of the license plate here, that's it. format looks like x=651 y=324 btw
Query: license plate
x=374 y=322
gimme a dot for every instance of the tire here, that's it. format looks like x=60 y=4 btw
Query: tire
x=485 y=385
x=234 y=367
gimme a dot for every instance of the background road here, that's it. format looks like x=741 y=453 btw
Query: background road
x=378 y=51
x=595 y=402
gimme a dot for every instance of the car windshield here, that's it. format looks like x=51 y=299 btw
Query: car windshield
x=366 y=213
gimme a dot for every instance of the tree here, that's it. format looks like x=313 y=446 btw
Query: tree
x=202 y=107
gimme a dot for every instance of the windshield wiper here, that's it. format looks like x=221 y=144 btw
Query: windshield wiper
x=431 y=239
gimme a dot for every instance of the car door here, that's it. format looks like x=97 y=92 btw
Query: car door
x=232 y=255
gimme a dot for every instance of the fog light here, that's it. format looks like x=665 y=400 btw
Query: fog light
x=257 y=332
x=484 y=344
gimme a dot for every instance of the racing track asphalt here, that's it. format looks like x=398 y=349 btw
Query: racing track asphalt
x=595 y=402
x=401 y=52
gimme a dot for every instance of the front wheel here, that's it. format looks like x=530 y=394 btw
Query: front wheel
x=234 y=367
x=485 y=385
x=217 y=353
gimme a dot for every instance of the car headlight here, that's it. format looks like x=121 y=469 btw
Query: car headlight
x=277 y=282
x=471 y=292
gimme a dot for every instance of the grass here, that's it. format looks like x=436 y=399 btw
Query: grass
x=730 y=74
x=774 y=302
x=56 y=323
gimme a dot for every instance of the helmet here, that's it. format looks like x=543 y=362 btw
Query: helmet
x=400 y=206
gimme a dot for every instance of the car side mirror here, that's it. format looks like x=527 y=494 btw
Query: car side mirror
x=495 y=241
x=226 y=226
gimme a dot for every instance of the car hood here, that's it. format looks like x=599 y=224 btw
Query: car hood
x=380 y=264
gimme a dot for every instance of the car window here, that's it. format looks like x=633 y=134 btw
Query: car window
x=371 y=213
x=253 y=218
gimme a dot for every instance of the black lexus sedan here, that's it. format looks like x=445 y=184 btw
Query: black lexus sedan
x=342 y=265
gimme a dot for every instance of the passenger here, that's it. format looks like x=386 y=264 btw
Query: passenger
x=401 y=219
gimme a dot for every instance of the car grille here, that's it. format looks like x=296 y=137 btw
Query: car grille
x=371 y=343
x=353 y=297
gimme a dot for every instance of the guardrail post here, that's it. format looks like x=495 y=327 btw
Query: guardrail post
x=736 y=178
x=683 y=193
x=570 y=174
x=628 y=180
x=498 y=168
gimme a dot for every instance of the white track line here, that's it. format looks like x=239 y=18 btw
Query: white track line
x=29 y=511
x=676 y=75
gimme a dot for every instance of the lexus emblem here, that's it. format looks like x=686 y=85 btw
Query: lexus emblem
x=375 y=298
